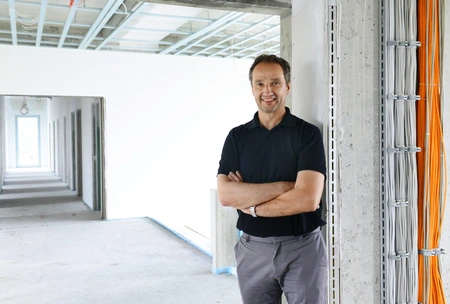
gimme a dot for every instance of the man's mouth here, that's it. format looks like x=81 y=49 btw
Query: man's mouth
x=268 y=99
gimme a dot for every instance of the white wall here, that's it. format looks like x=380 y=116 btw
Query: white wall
x=166 y=119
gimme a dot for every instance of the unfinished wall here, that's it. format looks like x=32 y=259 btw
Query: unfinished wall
x=166 y=119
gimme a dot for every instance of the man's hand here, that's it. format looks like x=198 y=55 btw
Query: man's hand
x=235 y=177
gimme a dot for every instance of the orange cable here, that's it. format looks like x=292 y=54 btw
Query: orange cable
x=429 y=162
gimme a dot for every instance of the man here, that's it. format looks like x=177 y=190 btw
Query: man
x=272 y=170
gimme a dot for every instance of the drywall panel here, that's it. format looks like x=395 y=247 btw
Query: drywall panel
x=166 y=118
x=309 y=68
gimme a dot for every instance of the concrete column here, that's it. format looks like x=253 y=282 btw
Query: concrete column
x=224 y=236
x=357 y=125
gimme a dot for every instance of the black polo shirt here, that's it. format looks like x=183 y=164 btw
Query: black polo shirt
x=264 y=156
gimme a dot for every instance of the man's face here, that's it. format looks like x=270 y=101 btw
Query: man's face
x=269 y=87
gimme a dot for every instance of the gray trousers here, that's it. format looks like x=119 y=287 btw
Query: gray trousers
x=295 y=265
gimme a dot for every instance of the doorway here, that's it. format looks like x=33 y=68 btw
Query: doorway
x=28 y=135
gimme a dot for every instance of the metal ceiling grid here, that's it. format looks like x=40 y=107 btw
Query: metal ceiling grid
x=110 y=25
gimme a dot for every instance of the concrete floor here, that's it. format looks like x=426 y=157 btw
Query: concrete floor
x=53 y=249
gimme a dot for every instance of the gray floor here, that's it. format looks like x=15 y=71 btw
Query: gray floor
x=53 y=249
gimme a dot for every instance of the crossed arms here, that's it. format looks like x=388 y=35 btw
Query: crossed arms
x=272 y=199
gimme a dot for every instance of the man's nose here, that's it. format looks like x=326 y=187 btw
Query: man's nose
x=267 y=89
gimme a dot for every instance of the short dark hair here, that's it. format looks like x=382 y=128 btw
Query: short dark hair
x=272 y=59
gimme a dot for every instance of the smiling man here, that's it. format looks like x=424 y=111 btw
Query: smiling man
x=272 y=170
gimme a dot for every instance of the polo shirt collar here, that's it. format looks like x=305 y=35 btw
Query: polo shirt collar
x=288 y=120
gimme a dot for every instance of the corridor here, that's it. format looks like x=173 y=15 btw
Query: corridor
x=54 y=249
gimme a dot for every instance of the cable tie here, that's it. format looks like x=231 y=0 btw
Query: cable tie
x=394 y=257
x=392 y=150
x=413 y=149
x=414 y=44
x=410 y=149
x=413 y=97
x=396 y=43
x=398 y=204
x=398 y=97
x=401 y=43
x=392 y=43
x=403 y=254
x=432 y=252
x=399 y=255
x=402 y=97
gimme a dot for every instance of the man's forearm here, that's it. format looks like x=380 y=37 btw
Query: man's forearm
x=241 y=195
x=289 y=203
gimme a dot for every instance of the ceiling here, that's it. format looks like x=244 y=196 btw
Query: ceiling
x=118 y=25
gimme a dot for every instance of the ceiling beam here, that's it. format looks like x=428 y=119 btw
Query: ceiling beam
x=233 y=54
x=212 y=33
x=235 y=35
x=127 y=7
x=108 y=10
x=248 y=39
x=270 y=7
x=69 y=19
x=216 y=24
x=12 y=16
x=262 y=51
x=40 y=28
x=124 y=23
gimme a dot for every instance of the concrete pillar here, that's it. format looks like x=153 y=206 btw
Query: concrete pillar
x=357 y=128
x=224 y=235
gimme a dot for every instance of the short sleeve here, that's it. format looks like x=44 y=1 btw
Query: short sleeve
x=312 y=154
x=229 y=161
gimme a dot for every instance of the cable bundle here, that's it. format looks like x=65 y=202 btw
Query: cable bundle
x=401 y=168
x=431 y=162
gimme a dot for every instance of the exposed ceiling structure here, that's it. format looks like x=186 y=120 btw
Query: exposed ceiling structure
x=149 y=27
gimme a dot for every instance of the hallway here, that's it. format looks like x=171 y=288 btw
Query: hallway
x=54 y=249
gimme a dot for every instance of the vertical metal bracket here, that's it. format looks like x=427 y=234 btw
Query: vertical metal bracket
x=382 y=155
x=333 y=220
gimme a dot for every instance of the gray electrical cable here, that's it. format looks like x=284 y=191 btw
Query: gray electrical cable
x=401 y=167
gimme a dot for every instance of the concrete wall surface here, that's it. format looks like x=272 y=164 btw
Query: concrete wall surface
x=359 y=156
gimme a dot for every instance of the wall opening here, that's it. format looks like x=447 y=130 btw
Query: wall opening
x=28 y=150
